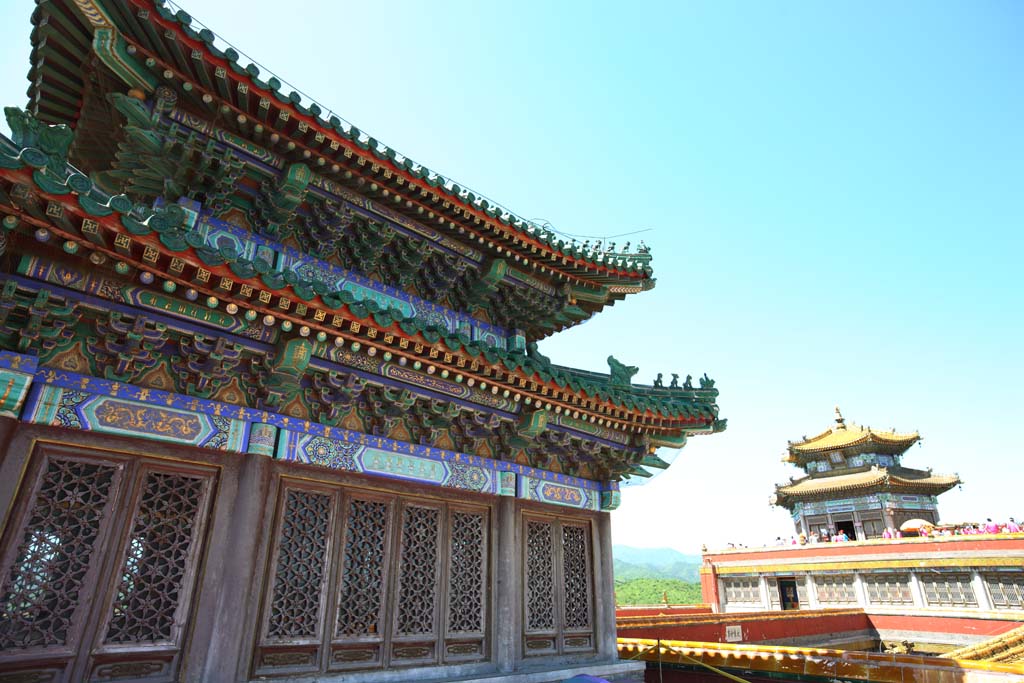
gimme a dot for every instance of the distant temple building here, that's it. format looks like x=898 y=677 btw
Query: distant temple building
x=940 y=590
x=855 y=482
x=873 y=599
x=271 y=402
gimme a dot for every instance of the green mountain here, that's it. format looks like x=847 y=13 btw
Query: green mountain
x=654 y=563
x=656 y=592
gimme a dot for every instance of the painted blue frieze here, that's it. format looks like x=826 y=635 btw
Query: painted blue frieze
x=78 y=409
x=70 y=400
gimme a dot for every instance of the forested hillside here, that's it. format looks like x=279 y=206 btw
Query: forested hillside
x=657 y=591
x=647 y=576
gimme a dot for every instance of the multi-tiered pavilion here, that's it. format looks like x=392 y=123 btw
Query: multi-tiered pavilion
x=272 y=400
x=854 y=481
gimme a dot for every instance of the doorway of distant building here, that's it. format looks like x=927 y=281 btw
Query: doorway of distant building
x=851 y=531
x=788 y=596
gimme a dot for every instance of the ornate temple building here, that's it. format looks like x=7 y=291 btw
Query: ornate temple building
x=937 y=607
x=272 y=404
x=941 y=590
x=854 y=481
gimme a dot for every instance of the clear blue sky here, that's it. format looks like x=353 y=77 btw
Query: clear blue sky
x=835 y=193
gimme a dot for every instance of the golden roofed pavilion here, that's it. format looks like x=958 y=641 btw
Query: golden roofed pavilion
x=895 y=479
x=854 y=482
x=850 y=439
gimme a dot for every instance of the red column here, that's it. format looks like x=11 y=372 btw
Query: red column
x=709 y=585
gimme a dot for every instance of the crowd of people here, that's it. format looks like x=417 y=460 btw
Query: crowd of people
x=926 y=530
x=987 y=527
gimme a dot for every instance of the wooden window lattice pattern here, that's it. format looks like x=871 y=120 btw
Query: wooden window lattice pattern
x=743 y=590
x=801 y=589
x=359 y=600
x=417 y=593
x=40 y=595
x=952 y=590
x=301 y=565
x=577 y=577
x=835 y=589
x=466 y=583
x=888 y=589
x=1006 y=590
x=157 y=558
x=540 y=585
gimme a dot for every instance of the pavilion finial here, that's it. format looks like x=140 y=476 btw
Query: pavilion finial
x=840 y=421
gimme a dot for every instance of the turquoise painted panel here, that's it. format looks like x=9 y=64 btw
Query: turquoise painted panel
x=16 y=375
x=553 y=493
x=376 y=461
x=424 y=466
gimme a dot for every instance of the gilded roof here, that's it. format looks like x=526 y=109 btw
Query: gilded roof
x=843 y=435
x=1007 y=648
x=876 y=478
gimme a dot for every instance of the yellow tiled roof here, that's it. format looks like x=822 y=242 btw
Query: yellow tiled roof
x=891 y=477
x=843 y=435
x=1007 y=648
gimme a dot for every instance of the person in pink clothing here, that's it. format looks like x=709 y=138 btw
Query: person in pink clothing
x=1012 y=527
x=991 y=527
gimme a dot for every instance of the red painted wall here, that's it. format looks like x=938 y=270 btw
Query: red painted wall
x=773 y=626
x=941 y=545
x=709 y=585
x=757 y=626
x=931 y=624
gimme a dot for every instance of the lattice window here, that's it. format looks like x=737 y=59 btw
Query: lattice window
x=837 y=589
x=1006 y=589
x=952 y=590
x=888 y=589
x=417 y=591
x=365 y=553
x=300 y=566
x=40 y=594
x=466 y=582
x=159 y=548
x=873 y=528
x=801 y=589
x=576 y=561
x=745 y=590
x=540 y=580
